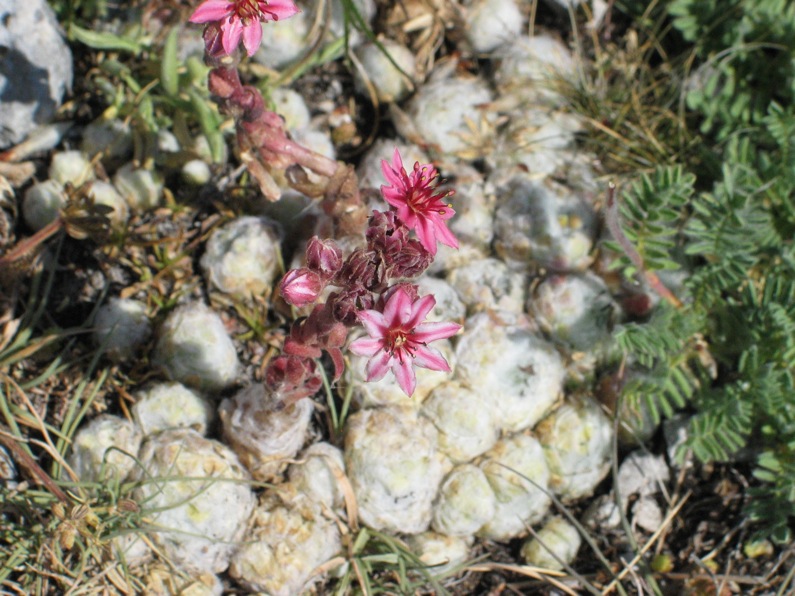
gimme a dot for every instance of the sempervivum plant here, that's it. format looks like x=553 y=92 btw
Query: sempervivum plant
x=465 y=418
x=489 y=284
x=389 y=83
x=519 y=477
x=544 y=223
x=164 y=406
x=442 y=113
x=242 y=257
x=577 y=439
x=491 y=23
x=318 y=473
x=577 y=309
x=262 y=432
x=507 y=360
x=554 y=546
x=394 y=467
x=196 y=495
x=441 y=553
x=194 y=348
x=530 y=68
x=288 y=539
x=105 y=449
x=466 y=502
x=121 y=326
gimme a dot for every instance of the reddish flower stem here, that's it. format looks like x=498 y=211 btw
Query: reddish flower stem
x=24 y=248
x=612 y=221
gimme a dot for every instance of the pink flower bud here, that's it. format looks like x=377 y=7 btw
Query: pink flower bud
x=301 y=287
x=323 y=257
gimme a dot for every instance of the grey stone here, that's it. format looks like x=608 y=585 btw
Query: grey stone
x=35 y=68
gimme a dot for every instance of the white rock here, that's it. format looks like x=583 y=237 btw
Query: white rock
x=394 y=467
x=195 y=491
x=647 y=515
x=641 y=474
x=35 y=67
x=263 y=434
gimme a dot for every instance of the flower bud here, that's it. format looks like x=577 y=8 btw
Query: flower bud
x=323 y=257
x=301 y=287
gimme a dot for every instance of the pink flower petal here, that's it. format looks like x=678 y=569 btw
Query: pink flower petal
x=425 y=234
x=378 y=366
x=444 y=235
x=404 y=373
x=279 y=9
x=420 y=310
x=430 y=358
x=428 y=332
x=397 y=309
x=211 y=10
x=366 y=346
x=231 y=31
x=373 y=322
x=252 y=37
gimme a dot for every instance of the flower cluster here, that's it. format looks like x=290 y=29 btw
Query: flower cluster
x=230 y=21
x=372 y=287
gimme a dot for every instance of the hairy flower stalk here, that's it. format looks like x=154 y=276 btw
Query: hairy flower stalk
x=373 y=290
x=371 y=283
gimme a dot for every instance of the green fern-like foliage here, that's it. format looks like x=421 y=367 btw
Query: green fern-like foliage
x=744 y=56
x=668 y=371
x=653 y=209
x=735 y=242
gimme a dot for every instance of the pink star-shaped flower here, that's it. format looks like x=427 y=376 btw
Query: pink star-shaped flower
x=417 y=203
x=398 y=339
x=242 y=19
